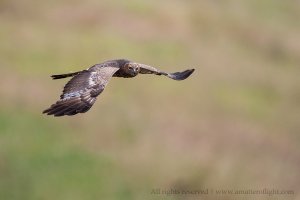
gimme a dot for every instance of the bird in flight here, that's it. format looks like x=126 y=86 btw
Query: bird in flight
x=81 y=92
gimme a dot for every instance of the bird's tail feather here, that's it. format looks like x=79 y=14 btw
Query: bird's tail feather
x=60 y=76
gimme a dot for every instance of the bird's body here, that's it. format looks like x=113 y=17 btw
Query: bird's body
x=81 y=91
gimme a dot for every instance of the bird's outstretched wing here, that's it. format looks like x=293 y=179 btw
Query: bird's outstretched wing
x=178 y=76
x=81 y=92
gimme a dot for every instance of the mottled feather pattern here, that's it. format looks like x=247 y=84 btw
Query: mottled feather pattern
x=77 y=84
x=81 y=92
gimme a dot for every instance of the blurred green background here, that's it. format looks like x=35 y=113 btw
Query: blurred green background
x=233 y=124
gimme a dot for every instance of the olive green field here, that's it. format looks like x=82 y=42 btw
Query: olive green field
x=234 y=124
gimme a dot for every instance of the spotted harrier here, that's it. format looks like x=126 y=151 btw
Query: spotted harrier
x=81 y=92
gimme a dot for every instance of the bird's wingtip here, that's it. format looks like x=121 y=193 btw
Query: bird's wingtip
x=179 y=76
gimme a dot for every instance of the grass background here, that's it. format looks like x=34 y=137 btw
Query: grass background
x=233 y=124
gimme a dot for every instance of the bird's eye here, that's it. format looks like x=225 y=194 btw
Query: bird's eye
x=130 y=68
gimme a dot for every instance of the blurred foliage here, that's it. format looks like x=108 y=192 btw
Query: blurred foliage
x=233 y=124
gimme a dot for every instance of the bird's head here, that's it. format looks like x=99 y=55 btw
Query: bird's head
x=131 y=68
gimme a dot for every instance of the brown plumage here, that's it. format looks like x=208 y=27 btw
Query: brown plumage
x=81 y=92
